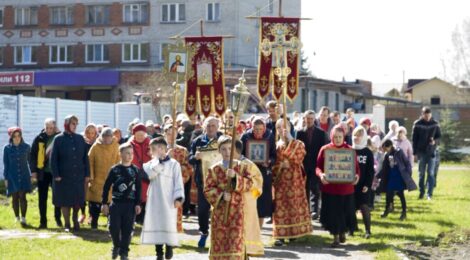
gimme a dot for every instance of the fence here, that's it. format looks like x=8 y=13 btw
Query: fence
x=29 y=113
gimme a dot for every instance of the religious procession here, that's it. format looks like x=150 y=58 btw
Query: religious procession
x=214 y=163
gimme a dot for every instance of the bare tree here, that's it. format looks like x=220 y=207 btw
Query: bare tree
x=458 y=57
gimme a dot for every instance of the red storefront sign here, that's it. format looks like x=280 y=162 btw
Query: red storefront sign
x=14 y=79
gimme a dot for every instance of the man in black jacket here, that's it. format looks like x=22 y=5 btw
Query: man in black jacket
x=313 y=138
x=426 y=133
x=40 y=169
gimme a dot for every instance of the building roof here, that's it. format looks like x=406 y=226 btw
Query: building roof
x=412 y=83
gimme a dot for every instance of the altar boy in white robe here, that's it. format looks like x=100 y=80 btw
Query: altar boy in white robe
x=165 y=196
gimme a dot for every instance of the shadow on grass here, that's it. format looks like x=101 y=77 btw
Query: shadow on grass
x=392 y=225
x=192 y=248
x=97 y=235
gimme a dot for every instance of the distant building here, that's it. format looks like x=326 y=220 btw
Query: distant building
x=436 y=91
x=103 y=50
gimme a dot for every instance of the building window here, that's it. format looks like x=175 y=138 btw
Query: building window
x=134 y=52
x=435 y=100
x=337 y=102
x=135 y=13
x=98 y=14
x=26 y=16
x=97 y=53
x=327 y=99
x=173 y=13
x=60 y=54
x=25 y=54
x=163 y=46
x=271 y=6
x=314 y=100
x=61 y=15
x=304 y=97
x=213 y=12
x=1 y=17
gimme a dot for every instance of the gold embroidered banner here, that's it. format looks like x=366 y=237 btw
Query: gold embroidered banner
x=205 y=76
x=276 y=31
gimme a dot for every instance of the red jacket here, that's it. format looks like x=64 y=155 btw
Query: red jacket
x=141 y=156
x=334 y=189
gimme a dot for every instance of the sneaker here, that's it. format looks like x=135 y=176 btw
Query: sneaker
x=429 y=197
x=279 y=242
x=67 y=228
x=114 y=252
x=270 y=221
x=385 y=214
x=202 y=241
x=17 y=219
x=81 y=218
x=315 y=216
x=23 y=221
x=367 y=235
x=168 y=252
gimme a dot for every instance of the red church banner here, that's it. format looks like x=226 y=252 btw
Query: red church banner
x=205 y=76
x=276 y=31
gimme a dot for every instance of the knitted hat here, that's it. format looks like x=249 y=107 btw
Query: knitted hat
x=14 y=129
x=139 y=127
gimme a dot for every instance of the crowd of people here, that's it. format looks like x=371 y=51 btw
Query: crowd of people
x=156 y=176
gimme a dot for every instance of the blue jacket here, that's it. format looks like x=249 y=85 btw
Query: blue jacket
x=16 y=167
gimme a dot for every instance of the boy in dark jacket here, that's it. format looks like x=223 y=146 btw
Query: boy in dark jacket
x=125 y=180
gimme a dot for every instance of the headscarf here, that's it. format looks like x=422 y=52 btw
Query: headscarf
x=337 y=128
x=68 y=119
x=14 y=129
x=87 y=128
x=363 y=143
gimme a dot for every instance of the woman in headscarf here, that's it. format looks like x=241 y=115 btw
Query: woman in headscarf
x=402 y=142
x=291 y=216
x=102 y=156
x=16 y=172
x=70 y=168
x=338 y=213
x=392 y=131
x=365 y=159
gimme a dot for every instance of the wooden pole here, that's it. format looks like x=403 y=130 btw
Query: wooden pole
x=230 y=166
x=175 y=107
x=202 y=27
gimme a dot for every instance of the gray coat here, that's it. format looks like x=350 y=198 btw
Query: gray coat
x=69 y=160
x=404 y=167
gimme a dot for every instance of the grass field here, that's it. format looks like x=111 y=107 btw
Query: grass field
x=449 y=210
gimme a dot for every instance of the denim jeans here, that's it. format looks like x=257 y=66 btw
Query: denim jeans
x=429 y=161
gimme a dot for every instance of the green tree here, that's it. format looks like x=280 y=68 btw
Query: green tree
x=449 y=135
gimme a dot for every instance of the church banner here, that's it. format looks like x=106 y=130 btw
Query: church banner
x=205 y=76
x=276 y=31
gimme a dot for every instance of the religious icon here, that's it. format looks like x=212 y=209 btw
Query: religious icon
x=204 y=71
x=178 y=60
x=257 y=151
x=340 y=166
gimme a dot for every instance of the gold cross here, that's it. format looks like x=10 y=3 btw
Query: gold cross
x=191 y=99
x=206 y=100
x=292 y=81
x=219 y=98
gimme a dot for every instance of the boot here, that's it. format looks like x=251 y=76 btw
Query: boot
x=159 y=249
x=403 y=215
x=385 y=214
x=169 y=252
x=115 y=252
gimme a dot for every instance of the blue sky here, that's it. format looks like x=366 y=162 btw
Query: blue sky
x=378 y=40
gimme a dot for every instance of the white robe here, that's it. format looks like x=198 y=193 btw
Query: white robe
x=166 y=185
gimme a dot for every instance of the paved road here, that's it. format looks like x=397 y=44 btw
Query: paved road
x=294 y=251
